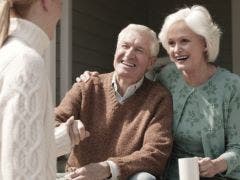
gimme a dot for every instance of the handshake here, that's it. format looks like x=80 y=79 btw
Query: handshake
x=69 y=134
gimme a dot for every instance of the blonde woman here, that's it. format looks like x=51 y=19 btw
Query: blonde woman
x=27 y=142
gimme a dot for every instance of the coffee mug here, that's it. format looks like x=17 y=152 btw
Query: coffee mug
x=188 y=168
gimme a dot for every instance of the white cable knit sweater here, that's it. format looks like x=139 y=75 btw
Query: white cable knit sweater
x=27 y=144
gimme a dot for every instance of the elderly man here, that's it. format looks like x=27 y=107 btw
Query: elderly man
x=127 y=116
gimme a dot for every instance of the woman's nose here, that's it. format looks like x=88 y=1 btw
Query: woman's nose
x=177 y=48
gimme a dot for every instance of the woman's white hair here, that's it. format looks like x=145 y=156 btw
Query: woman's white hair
x=154 y=47
x=199 y=21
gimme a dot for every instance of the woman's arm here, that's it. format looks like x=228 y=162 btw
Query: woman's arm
x=28 y=148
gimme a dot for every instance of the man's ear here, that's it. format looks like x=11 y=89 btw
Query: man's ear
x=152 y=61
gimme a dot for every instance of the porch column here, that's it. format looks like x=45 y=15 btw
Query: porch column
x=66 y=47
x=51 y=66
x=236 y=36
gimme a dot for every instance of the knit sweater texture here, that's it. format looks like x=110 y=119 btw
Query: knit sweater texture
x=27 y=144
x=136 y=135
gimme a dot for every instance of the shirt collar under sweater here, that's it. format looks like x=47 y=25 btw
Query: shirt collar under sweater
x=129 y=92
x=30 y=33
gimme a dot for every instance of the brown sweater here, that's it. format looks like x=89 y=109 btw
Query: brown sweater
x=136 y=135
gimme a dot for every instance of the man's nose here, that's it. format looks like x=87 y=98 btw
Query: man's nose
x=129 y=53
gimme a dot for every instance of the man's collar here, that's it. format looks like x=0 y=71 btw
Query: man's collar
x=130 y=90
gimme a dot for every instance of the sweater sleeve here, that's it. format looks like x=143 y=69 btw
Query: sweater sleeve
x=70 y=105
x=232 y=154
x=157 y=144
x=27 y=134
x=63 y=141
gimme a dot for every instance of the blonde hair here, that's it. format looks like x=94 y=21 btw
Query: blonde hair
x=4 y=20
x=20 y=7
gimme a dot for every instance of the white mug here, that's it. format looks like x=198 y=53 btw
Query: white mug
x=188 y=168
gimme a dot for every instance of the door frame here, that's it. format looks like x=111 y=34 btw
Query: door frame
x=236 y=36
x=66 y=47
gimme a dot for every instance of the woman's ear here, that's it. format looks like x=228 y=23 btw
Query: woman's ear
x=45 y=4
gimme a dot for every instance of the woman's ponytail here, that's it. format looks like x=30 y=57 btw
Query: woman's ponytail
x=5 y=6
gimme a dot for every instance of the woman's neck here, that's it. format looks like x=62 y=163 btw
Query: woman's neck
x=38 y=16
x=199 y=76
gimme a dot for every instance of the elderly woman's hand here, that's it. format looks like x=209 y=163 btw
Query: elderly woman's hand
x=86 y=75
x=210 y=167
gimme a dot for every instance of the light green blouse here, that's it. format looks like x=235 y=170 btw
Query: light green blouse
x=206 y=119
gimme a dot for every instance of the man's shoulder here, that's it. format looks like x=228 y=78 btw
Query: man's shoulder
x=156 y=87
x=100 y=79
x=94 y=81
x=105 y=76
x=155 y=84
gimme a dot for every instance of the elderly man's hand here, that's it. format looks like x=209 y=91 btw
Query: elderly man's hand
x=93 y=171
x=76 y=131
x=86 y=75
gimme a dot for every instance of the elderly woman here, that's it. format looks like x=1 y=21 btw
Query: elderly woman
x=206 y=97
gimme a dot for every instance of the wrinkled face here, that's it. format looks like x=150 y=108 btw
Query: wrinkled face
x=185 y=48
x=132 y=57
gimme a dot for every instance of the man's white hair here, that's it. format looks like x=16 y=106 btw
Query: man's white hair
x=154 y=47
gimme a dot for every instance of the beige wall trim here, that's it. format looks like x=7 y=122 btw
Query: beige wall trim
x=236 y=35
x=66 y=47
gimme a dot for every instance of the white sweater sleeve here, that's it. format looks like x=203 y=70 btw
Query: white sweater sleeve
x=63 y=141
x=28 y=147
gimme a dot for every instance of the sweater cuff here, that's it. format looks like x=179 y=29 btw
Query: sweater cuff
x=232 y=161
x=114 y=170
